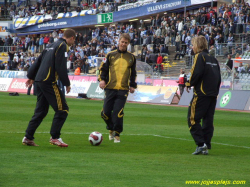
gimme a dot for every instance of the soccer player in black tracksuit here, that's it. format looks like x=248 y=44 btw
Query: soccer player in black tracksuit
x=117 y=78
x=205 y=78
x=49 y=66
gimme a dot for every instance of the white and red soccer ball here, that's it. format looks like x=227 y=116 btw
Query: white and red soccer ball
x=95 y=138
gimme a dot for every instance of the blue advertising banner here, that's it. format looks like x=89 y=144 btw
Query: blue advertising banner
x=149 y=9
x=34 y=20
x=117 y=16
x=13 y=74
x=61 y=23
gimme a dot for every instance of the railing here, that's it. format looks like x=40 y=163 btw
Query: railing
x=6 y=16
x=7 y=48
x=234 y=79
x=224 y=49
x=239 y=28
x=239 y=44
x=15 y=48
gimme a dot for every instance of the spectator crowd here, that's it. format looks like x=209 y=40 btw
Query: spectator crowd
x=54 y=7
x=220 y=28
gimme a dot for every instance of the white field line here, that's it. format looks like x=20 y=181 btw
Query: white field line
x=168 y=137
x=212 y=142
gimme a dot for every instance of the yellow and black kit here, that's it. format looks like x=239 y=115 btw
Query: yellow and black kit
x=206 y=79
x=48 y=67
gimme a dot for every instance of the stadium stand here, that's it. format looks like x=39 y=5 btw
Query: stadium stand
x=226 y=27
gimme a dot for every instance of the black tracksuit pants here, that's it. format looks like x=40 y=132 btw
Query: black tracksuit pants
x=48 y=94
x=202 y=108
x=112 y=112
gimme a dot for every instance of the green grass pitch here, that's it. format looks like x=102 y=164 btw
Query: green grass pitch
x=155 y=148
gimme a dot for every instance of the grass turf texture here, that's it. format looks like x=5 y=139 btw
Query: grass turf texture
x=155 y=148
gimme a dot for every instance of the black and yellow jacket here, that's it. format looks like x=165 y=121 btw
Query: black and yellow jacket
x=51 y=64
x=205 y=75
x=119 y=70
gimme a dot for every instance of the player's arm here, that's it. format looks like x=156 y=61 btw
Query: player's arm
x=34 y=67
x=29 y=82
x=104 y=71
x=61 y=64
x=218 y=86
x=197 y=70
x=133 y=75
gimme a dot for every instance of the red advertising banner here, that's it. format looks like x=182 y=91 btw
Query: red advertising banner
x=148 y=81
x=157 y=82
x=93 y=79
x=79 y=78
x=171 y=83
x=83 y=78
x=18 y=85
x=71 y=77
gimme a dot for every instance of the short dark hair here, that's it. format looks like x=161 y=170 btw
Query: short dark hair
x=126 y=36
x=69 y=33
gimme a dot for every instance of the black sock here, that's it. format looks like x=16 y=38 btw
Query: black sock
x=200 y=144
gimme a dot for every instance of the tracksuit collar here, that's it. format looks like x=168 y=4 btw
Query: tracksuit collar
x=121 y=51
x=63 y=40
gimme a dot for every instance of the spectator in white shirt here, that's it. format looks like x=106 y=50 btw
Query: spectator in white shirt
x=180 y=27
x=193 y=21
x=158 y=31
x=241 y=68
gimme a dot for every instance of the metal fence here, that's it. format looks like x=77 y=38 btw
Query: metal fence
x=224 y=49
x=233 y=79
x=7 y=48
x=15 y=48
x=239 y=44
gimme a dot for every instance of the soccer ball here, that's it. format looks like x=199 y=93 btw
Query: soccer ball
x=95 y=138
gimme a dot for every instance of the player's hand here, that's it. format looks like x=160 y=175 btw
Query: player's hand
x=187 y=89
x=102 y=84
x=131 y=90
x=68 y=88
x=29 y=82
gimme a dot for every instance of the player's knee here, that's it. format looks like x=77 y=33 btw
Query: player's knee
x=65 y=108
x=104 y=116
x=62 y=114
x=121 y=113
x=43 y=114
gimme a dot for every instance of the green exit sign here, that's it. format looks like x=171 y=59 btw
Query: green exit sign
x=105 y=18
